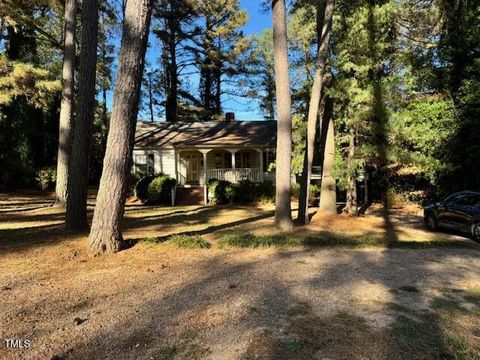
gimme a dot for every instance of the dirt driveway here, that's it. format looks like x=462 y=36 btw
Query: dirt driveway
x=155 y=301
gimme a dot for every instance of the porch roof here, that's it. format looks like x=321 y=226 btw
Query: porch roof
x=206 y=134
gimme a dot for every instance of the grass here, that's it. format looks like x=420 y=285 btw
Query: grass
x=248 y=240
x=189 y=242
x=168 y=351
x=182 y=241
x=327 y=239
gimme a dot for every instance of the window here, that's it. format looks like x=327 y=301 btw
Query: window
x=268 y=159
x=145 y=164
x=464 y=199
x=141 y=164
x=151 y=164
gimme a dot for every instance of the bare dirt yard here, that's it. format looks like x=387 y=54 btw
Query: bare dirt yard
x=375 y=287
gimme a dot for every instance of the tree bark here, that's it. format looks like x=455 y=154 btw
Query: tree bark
x=328 y=189
x=106 y=232
x=351 y=207
x=283 y=212
x=172 y=93
x=325 y=23
x=76 y=215
x=66 y=107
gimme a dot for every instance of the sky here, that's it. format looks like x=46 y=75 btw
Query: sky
x=244 y=108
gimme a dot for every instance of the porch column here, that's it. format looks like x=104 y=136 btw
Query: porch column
x=176 y=158
x=205 y=190
x=234 y=166
x=260 y=153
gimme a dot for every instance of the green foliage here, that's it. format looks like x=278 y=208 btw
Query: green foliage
x=248 y=240
x=159 y=190
x=245 y=191
x=189 y=242
x=22 y=79
x=421 y=134
x=217 y=191
x=141 y=188
x=46 y=178
x=314 y=192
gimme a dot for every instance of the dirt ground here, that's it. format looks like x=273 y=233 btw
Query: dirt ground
x=155 y=301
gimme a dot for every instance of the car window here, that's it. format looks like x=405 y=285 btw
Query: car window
x=454 y=199
x=466 y=200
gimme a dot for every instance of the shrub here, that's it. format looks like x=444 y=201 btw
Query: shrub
x=133 y=179
x=243 y=191
x=159 y=190
x=217 y=191
x=314 y=192
x=295 y=190
x=141 y=188
x=265 y=191
x=189 y=242
x=46 y=178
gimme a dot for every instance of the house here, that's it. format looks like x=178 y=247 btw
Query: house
x=195 y=152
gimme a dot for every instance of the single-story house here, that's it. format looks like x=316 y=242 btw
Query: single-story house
x=195 y=152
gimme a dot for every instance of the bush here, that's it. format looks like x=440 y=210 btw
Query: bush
x=314 y=192
x=266 y=191
x=133 y=179
x=160 y=190
x=141 y=188
x=223 y=192
x=217 y=191
x=46 y=178
x=244 y=191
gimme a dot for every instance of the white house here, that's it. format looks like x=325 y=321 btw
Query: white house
x=195 y=152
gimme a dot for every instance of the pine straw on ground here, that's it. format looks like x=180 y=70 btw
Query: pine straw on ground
x=158 y=301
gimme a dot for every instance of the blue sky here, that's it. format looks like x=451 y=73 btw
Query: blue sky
x=245 y=109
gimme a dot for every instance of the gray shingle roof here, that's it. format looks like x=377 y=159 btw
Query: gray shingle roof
x=208 y=134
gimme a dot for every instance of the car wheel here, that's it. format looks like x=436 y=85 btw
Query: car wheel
x=431 y=222
x=476 y=232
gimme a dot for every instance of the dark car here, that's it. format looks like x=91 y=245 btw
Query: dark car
x=460 y=212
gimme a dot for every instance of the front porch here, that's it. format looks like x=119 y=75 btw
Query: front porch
x=198 y=166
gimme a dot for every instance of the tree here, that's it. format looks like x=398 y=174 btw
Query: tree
x=66 y=107
x=30 y=60
x=283 y=212
x=76 y=214
x=260 y=79
x=218 y=50
x=106 y=231
x=175 y=27
x=324 y=22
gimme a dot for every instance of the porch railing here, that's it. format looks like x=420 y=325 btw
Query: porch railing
x=252 y=174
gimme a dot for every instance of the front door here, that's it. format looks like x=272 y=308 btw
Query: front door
x=193 y=168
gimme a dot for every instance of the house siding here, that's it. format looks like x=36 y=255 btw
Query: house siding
x=164 y=160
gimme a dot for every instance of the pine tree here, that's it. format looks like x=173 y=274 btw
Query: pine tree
x=283 y=213
x=66 y=107
x=76 y=214
x=106 y=232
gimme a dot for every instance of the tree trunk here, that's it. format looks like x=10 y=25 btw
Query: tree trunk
x=76 y=215
x=106 y=233
x=150 y=98
x=328 y=189
x=66 y=107
x=324 y=22
x=351 y=207
x=283 y=212
x=172 y=93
